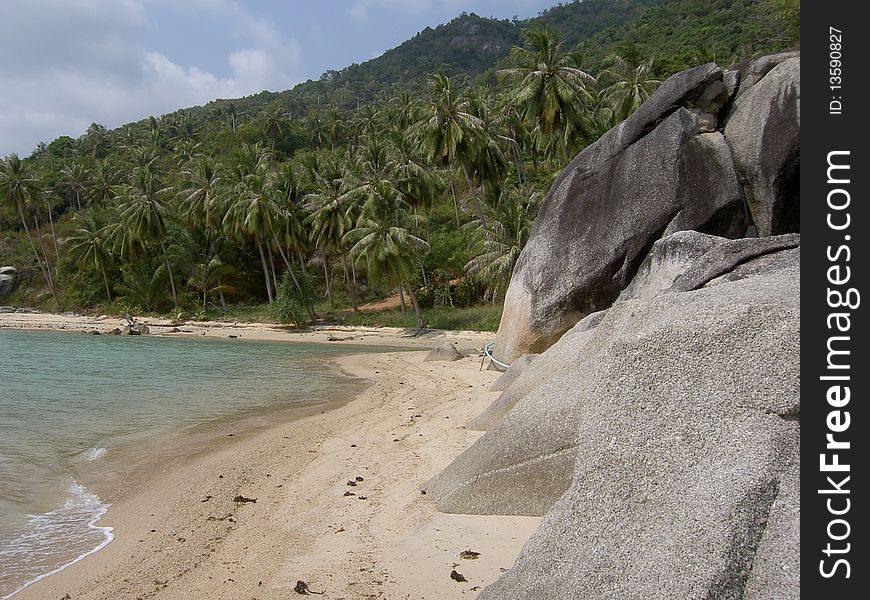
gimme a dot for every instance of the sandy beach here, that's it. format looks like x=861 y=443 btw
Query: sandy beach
x=191 y=528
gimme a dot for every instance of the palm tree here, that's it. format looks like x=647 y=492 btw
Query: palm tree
x=96 y=140
x=631 y=87
x=200 y=193
x=331 y=207
x=450 y=132
x=501 y=237
x=91 y=244
x=103 y=183
x=75 y=178
x=22 y=193
x=144 y=211
x=383 y=238
x=274 y=123
x=142 y=285
x=249 y=216
x=548 y=84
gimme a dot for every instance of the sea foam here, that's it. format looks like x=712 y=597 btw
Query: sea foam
x=45 y=537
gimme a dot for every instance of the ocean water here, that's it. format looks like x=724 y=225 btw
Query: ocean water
x=70 y=403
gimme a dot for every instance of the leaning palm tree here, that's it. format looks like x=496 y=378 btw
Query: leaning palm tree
x=631 y=84
x=21 y=191
x=91 y=244
x=548 y=85
x=383 y=238
x=144 y=211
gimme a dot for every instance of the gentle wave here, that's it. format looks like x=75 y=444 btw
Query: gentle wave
x=73 y=524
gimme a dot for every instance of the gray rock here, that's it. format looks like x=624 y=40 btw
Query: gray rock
x=559 y=358
x=509 y=376
x=8 y=279
x=140 y=329
x=753 y=70
x=445 y=352
x=763 y=132
x=685 y=415
x=688 y=260
x=602 y=216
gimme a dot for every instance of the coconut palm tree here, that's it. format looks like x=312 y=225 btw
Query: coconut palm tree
x=75 y=178
x=632 y=84
x=383 y=238
x=501 y=237
x=331 y=209
x=249 y=216
x=549 y=87
x=200 y=193
x=144 y=210
x=91 y=243
x=103 y=183
x=274 y=123
x=450 y=132
x=21 y=191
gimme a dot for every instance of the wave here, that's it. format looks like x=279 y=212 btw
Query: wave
x=51 y=534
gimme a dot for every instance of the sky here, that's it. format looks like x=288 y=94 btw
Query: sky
x=65 y=64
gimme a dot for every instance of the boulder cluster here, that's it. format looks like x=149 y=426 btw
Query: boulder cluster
x=651 y=413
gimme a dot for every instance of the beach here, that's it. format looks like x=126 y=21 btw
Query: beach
x=256 y=512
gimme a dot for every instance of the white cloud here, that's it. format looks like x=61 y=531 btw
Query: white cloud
x=84 y=61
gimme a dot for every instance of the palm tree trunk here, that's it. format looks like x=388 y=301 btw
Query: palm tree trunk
x=78 y=201
x=564 y=144
x=419 y=254
x=301 y=261
x=347 y=282
x=221 y=296
x=53 y=234
x=45 y=256
x=171 y=278
x=417 y=310
x=265 y=270
x=402 y=298
x=272 y=268
x=105 y=281
x=286 y=260
x=33 y=249
x=326 y=276
x=455 y=204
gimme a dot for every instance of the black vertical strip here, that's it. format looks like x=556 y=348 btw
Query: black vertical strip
x=835 y=299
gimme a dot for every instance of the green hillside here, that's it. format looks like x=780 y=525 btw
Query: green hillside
x=377 y=177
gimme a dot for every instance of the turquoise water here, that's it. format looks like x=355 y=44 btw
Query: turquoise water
x=68 y=401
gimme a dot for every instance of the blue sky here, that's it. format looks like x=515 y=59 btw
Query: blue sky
x=67 y=63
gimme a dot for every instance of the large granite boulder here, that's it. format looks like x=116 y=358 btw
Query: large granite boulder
x=763 y=132
x=664 y=169
x=8 y=279
x=709 y=152
x=684 y=432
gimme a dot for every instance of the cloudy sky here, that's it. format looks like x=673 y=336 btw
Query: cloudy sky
x=65 y=64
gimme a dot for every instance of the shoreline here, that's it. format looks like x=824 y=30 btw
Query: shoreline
x=180 y=527
x=467 y=341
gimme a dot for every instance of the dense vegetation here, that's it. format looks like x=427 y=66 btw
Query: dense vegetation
x=314 y=204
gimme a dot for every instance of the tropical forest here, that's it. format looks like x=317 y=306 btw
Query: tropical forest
x=415 y=176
